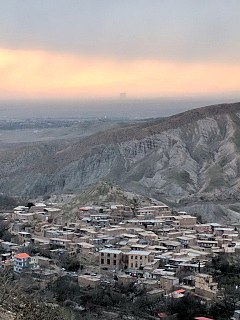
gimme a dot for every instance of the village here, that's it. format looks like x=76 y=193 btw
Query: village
x=153 y=247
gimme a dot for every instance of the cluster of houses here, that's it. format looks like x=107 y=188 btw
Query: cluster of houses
x=153 y=247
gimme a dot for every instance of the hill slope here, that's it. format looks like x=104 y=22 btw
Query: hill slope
x=105 y=194
x=192 y=154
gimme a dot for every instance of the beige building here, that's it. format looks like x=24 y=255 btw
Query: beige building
x=85 y=248
x=125 y=279
x=205 y=287
x=59 y=242
x=89 y=281
x=203 y=228
x=207 y=243
x=155 y=210
x=40 y=261
x=87 y=251
x=110 y=258
x=167 y=283
x=186 y=221
x=187 y=241
x=139 y=258
x=114 y=231
x=24 y=236
x=28 y=216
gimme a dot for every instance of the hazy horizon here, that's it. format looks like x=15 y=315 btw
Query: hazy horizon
x=103 y=108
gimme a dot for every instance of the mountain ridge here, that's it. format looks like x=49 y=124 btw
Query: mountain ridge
x=193 y=153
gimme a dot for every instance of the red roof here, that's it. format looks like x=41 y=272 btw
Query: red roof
x=22 y=256
x=180 y=291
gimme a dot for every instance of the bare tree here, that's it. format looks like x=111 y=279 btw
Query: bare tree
x=8 y=287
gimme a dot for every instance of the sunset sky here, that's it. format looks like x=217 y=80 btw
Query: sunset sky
x=69 y=49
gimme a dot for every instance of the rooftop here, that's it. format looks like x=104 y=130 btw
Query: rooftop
x=114 y=251
x=22 y=256
x=139 y=252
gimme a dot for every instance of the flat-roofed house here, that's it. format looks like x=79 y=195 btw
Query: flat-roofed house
x=59 y=242
x=167 y=283
x=139 y=258
x=111 y=258
x=186 y=221
x=89 y=281
x=204 y=286
x=24 y=236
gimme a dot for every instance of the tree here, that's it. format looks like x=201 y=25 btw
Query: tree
x=30 y=204
x=135 y=206
x=226 y=270
x=64 y=289
x=24 y=306
x=4 y=226
x=186 y=308
x=31 y=310
x=8 y=287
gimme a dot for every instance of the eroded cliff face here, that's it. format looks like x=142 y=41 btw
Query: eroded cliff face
x=198 y=158
x=192 y=154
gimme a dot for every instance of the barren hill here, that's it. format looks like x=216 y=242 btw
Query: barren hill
x=192 y=154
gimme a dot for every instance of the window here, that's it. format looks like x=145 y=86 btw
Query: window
x=114 y=262
x=108 y=254
x=114 y=255
x=136 y=257
x=140 y=257
x=136 y=265
x=102 y=254
x=131 y=265
x=102 y=261
x=108 y=261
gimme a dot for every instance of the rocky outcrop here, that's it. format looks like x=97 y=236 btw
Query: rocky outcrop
x=193 y=154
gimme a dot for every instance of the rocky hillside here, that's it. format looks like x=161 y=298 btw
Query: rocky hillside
x=104 y=194
x=195 y=154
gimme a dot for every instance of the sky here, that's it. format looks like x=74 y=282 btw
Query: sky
x=97 y=49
